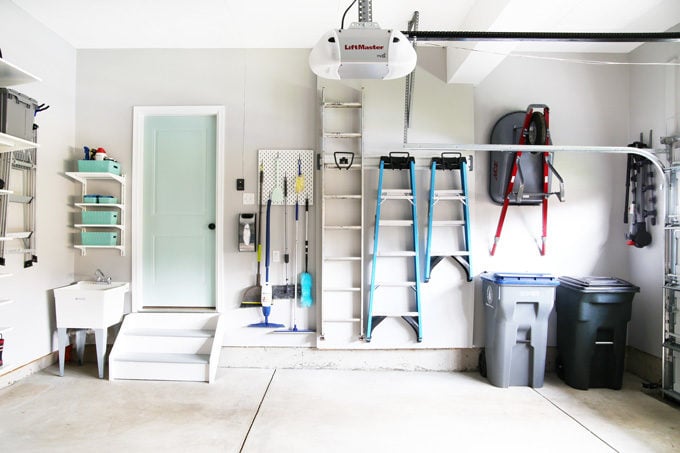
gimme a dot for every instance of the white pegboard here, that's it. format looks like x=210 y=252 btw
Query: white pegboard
x=288 y=166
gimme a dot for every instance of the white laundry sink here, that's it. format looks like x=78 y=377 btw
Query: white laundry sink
x=92 y=305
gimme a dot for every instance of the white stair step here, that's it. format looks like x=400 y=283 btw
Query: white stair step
x=151 y=332
x=172 y=320
x=197 y=370
x=163 y=358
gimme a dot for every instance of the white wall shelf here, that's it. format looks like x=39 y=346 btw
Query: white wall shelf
x=6 y=301
x=9 y=143
x=83 y=178
x=12 y=75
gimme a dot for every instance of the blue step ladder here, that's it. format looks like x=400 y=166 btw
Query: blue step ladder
x=396 y=161
x=454 y=162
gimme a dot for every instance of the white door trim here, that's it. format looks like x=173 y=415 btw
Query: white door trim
x=139 y=116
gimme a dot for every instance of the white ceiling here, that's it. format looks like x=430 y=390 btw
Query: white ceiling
x=108 y=24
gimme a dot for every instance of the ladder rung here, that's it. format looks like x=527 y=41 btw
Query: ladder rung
x=396 y=222
x=396 y=254
x=337 y=320
x=342 y=227
x=342 y=197
x=24 y=199
x=396 y=194
x=342 y=134
x=342 y=105
x=395 y=284
x=342 y=258
x=18 y=235
x=398 y=315
x=347 y=289
x=453 y=253
x=448 y=222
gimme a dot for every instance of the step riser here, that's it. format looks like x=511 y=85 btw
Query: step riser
x=158 y=371
x=172 y=320
x=181 y=345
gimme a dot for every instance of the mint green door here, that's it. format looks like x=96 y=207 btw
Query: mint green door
x=178 y=244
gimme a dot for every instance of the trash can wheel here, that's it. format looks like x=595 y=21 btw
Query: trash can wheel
x=482 y=363
x=537 y=129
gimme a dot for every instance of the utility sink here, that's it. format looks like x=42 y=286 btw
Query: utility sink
x=88 y=304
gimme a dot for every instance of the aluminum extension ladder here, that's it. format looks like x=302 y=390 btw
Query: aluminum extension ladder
x=396 y=161
x=22 y=164
x=453 y=162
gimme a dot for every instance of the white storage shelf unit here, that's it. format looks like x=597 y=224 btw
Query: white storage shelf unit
x=84 y=178
x=11 y=75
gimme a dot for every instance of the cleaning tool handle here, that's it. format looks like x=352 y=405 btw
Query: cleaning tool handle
x=285 y=186
x=266 y=254
x=296 y=210
x=306 y=231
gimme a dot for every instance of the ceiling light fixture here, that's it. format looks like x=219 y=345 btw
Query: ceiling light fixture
x=363 y=51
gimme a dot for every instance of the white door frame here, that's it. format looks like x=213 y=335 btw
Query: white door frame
x=139 y=118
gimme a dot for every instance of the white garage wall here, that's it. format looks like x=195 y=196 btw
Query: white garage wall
x=29 y=45
x=588 y=106
x=655 y=105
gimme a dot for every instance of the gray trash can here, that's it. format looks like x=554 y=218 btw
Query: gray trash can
x=516 y=310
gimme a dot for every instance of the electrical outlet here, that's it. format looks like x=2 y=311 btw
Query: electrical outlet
x=276 y=256
x=248 y=198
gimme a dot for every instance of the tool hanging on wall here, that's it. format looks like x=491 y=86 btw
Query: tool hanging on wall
x=252 y=297
x=640 y=198
x=266 y=300
x=306 y=278
x=535 y=131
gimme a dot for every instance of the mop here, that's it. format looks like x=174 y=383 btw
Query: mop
x=294 y=328
x=267 y=288
x=306 y=278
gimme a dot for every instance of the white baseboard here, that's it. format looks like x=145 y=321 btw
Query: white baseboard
x=17 y=374
x=403 y=359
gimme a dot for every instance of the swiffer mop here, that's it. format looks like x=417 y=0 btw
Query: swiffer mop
x=267 y=288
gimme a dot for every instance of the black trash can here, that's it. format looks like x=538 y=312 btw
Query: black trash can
x=592 y=323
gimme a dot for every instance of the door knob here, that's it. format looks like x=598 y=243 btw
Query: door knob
x=211 y=226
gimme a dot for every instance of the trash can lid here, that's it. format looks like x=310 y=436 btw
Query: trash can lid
x=516 y=278
x=599 y=284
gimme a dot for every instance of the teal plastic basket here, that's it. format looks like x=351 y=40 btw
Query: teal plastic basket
x=107 y=199
x=98 y=237
x=99 y=166
x=100 y=217
x=90 y=198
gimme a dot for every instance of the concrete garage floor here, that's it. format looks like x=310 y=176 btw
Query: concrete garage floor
x=284 y=410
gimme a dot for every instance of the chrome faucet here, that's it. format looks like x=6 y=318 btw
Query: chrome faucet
x=101 y=278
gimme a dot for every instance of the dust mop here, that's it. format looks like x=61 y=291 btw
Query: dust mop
x=294 y=327
x=267 y=288
x=306 y=278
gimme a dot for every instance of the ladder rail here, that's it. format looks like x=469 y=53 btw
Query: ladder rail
x=374 y=259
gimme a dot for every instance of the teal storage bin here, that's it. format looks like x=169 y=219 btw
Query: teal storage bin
x=90 y=198
x=107 y=238
x=107 y=199
x=100 y=217
x=99 y=166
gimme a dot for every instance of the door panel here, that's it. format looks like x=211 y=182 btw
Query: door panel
x=179 y=203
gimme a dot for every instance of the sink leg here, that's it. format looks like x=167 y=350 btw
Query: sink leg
x=80 y=345
x=62 y=340
x=100 y=339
